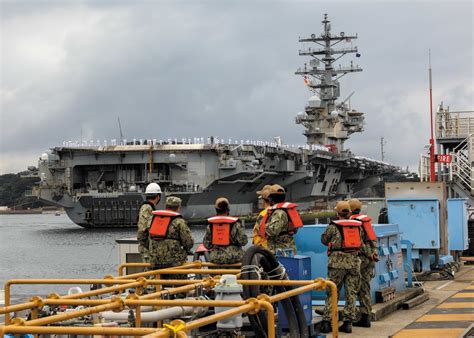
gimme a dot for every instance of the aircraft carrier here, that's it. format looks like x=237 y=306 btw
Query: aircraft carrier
x=101 y=184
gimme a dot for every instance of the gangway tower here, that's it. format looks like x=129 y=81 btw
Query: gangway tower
x=327 y=122
x=455 y=138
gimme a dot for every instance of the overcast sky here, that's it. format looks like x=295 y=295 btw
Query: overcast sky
x=201 y=68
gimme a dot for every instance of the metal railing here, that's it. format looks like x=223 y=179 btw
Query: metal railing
x=176 y=328
x=424 y=168
x=461 y=168
x=454 y=124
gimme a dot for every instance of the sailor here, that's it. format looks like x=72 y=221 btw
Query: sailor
x=343 y=237
x=170 y=237
x=265 y=204
x=368 y=257
x=152 y=195
x=281 y=222
x=225 y=236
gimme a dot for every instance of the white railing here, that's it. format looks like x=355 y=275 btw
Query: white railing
x=461 y=166
x=454 y=124
x=424 y=168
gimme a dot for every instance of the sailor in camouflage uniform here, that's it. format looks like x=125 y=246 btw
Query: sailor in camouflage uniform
x=170 y=237
x=343 y=265
x=225 y=236
x=368 y=257
x=265 y=205
x=275 y=229
x=153 y=195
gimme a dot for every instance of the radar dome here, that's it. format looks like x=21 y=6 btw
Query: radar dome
x=334 y=114
x=314 y=101
x=44 y=157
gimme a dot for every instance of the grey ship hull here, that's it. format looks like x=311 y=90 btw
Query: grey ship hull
x=88 y=182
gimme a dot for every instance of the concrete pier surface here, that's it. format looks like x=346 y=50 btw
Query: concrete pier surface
x=419 y=322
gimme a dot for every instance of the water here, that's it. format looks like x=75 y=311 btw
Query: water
x=49 y=246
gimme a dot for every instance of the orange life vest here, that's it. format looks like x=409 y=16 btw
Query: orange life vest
x=367 y=224
x=294 y=219
x=350 y=232
x=221 y=226
x=160 y=223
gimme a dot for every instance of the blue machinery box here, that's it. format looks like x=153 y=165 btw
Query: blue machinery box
x=418 y=220
x=457 y=224
x=298 y=267
x=388 y=271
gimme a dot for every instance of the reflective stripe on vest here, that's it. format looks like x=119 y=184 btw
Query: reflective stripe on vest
x=294 y=219
x=367 y=224
x=350 y=231
x=221 y=227
x=160 y=223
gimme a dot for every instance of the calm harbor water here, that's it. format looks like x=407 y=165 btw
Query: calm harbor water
x=49 y=246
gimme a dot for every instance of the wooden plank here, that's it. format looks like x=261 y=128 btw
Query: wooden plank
x=415 y=301
x=383 y=309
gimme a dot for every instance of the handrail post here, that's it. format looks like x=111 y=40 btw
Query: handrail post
x=7 y=301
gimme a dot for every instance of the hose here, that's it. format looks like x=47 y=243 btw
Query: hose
x=255 y=260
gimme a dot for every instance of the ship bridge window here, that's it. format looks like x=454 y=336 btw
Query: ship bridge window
x=324 y=186
x=322 y=174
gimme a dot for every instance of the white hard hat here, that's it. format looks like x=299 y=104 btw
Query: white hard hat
x=152 y=189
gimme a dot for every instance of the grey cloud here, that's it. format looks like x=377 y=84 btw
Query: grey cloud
x=176 y=69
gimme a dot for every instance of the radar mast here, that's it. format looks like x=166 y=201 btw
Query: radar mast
x=327 y=122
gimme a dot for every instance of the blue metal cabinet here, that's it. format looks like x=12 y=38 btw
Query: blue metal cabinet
x=457 y=224
x=388 y=271
x=418 y=220
x=308 y=243
x=298 y=267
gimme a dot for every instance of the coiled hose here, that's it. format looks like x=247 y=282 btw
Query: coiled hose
x=259 y=263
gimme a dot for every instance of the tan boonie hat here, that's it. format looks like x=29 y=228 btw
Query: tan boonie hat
x=355 y=204
x=264 y=192
x=342 y=206
x=173 y=201
x=222 y=203
x=276 y=189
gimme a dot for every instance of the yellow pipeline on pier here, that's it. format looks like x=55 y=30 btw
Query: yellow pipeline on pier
x=175 y=328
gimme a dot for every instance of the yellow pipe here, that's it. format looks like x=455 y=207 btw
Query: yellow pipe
x=143 y=302
x=154 y=272
x=219 y=316
x=334 y=314
x=197 y=271
x=287 y=294
x=172 y=291
x=121 y=267
x=270 y=317
x=15 y=308
x=76 y=330
x=158 y=288
x=237 y=265
x=138 y=310
x=30 y=305
x=70 y=281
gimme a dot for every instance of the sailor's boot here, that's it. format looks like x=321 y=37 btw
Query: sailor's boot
x=364 y=321
x=325 y=327
x=346 y=327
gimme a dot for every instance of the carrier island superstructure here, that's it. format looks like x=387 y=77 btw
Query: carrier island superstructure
x=102 y=185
